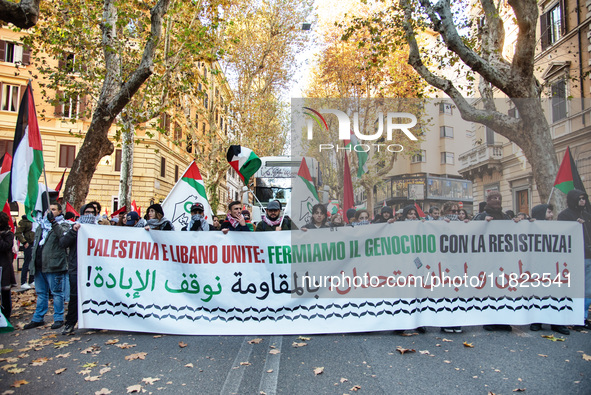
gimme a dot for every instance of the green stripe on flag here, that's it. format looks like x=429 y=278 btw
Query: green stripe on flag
x=33 y=182
x=252 y=164
x=310 y=187
x=565 y=186
x=198 y=186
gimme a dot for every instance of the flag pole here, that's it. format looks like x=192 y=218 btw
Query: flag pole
x=550 y=197
x=46 y=187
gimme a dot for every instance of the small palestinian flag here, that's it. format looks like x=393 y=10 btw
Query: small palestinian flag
x=244 y=161
x=420 y=212
x=568 y=177
x=6 y=164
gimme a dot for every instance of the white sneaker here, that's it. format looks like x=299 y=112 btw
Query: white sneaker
x=25 y=286
x=32 y=285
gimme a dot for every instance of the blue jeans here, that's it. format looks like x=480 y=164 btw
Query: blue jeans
x=44 y=282
x=25 y=277
x=587 y=286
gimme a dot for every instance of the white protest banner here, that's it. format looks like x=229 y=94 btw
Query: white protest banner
x=391 y=276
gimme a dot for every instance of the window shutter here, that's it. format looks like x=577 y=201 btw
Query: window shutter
x=59 y=106
x=2 y=50
x=544 y=31
x=82 y=108
x=61 y=64
x=26 y=56
x=563 y=13
x=21 y=94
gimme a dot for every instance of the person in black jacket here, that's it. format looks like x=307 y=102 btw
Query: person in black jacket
x=319 y=217
x=6 y=258
x=235 y=220
x=69 y=240
x=156 y=219
x=197 y=222
x=544 y=212
x=577 y=202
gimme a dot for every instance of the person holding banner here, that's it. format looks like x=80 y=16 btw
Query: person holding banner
x=386 y=215
x=273 y=220
x=49 y=265
x=197 y=222
x=576 y=201
x=69 y=240
x=493 y=211
x=234 y=219
x=319 y=217
x=6 y=258
x=156 y=219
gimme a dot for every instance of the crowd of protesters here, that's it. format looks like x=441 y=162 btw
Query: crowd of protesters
x=50 y=256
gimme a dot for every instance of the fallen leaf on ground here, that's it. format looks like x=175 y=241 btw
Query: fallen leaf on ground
x=6 y=367
x=103 y=391
x=92 y=378
x=274 y=351
x=157 y=336
x=139 y=355
x=183 y=344
x=189 y=365
x=343 y=379
x=355 y=388
x=270 y=371
x=318 y=371
x=519 y=390
x=112 y=341
x=104 y=370
x=61 y=344
x=255 y=341
x=84 y=372
x=446 y=340
x=66 y=355
x=554 y=339
x=543 y=355
x=59 y=371
x=125 y=345
x=6 y=350
x=304 y=338
x=586 y=357
x=403 y=350
x=18 y=383
x=89 y=365
x=245 y=364
x=469 y=345
x=424 y=352
x=150 y=380
x=447 y=361
x=134 y=388
x=296 y=344
x=16 y=370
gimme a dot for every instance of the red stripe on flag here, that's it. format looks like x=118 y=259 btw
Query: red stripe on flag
x=34 y=135
x=121 y=210
x=420 y=212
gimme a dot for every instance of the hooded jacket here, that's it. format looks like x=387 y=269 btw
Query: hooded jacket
x=574 y=212
x=539 y=212
x=405 y=211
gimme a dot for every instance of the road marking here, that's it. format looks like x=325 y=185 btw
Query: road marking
x=236 y=373
x=268 y=384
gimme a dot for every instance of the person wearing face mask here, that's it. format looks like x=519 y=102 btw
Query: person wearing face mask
x=69 y=240
x=578 y=210
x=493 y=211
x=319 y=217
x=234 y=219
x=49 y=264
x=197 y=222
x=361 y=218
x=272 y=220
x=386 y=216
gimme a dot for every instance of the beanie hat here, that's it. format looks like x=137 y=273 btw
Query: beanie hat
x=387 y=209
x=157 y=208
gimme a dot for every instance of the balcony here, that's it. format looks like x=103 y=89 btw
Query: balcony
x=484 y=159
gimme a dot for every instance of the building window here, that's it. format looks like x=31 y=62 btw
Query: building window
x=447 y=158
x=445 y=108
x=165 y=123
x=118 y=157
x=446 y=131
x=206 y=101
x=490 y=136
x=70 y=107
x=420 y=157
x=14 y=53
x=6 y=147
x=178 y=132
x=67 y=155
x=552 y=25
x=162 y=167
x=10 y=97
x=176 y=173
x=558 y=100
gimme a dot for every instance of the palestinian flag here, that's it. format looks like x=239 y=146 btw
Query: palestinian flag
x=27 y=154
x=420 y=212
x=5 y=178
x=70 y=209
x=60 y=184
x=188 y=190
x=303 y=197
x=568 y=177
x=362 y=156
x=244 y=161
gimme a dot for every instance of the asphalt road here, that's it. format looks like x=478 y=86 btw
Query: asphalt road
x=365 y=363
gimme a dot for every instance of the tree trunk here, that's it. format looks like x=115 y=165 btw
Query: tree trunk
x=24 y=14
x=126 y=175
